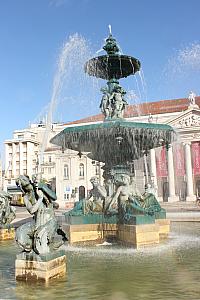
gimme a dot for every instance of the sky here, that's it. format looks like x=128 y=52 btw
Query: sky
x=163 y=35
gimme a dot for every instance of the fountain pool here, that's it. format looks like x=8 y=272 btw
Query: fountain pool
x=167 y=271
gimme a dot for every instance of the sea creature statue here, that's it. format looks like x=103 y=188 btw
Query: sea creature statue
x=7 y=212
x=42 y=235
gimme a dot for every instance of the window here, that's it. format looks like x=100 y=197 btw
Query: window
x=20 y=136
x=66 y=171
x=96 y=169
x=66 y=196
x=50 y=159
x=81 y=170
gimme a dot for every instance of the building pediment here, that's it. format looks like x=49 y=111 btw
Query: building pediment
x=189 y=119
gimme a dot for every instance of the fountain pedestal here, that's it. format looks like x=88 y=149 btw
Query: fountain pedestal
x=92 y=228
x=95 y=228
x=138 y=235
x=33 y=267
x=7 y=234
x=164 y=227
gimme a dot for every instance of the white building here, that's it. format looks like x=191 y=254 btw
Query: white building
x=175 y=172
x=67 y=172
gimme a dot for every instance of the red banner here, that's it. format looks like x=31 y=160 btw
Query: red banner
x=179 y=160
x=161 y=162
x=196 y=158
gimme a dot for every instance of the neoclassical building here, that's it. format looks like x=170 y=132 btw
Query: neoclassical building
x=174 y=172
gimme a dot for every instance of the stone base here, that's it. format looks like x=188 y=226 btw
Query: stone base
x=32 y=267
x=173 y=199
x=164 y=228
x=191 y=198
x=88 y=233
x=138 y=235
x=7 y=234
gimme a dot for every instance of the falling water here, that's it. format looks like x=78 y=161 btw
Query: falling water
x=110 y=29
x=71 y=59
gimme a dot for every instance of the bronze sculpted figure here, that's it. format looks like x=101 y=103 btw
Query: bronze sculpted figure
x=42 y=234
x=7 y=212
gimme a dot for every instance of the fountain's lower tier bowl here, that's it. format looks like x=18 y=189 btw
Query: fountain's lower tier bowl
x=115 y=142
x=95 y=229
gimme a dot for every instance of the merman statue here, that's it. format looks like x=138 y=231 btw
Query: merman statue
x=42 y=235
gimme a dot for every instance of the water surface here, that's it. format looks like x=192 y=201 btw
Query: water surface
x=168 y=271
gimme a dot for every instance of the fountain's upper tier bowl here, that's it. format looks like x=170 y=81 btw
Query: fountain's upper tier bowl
x=112 y=66
x=115 y=142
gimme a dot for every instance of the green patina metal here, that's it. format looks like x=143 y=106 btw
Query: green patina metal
x=98 y=218
x=7 y=212
x=139 y=220
x=117 y=143
x=42 y=235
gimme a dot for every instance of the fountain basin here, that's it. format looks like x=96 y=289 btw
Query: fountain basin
x=115 y=142
x=112 y=66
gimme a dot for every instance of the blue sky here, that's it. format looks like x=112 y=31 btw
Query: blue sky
x=164 y=35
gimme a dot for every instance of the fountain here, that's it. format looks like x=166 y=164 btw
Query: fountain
x=106 y=272
x=115 y=210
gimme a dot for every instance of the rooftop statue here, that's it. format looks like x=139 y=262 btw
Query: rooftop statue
x=42 y=234
x=191 y=98
x=7 y=212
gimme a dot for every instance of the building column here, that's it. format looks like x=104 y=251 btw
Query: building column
x=170 y=163
x=189 y=175
x=154 y=171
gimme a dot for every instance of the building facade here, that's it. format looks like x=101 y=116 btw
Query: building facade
x=174 y=171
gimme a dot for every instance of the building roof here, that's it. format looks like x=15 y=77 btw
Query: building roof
x=153 y=108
